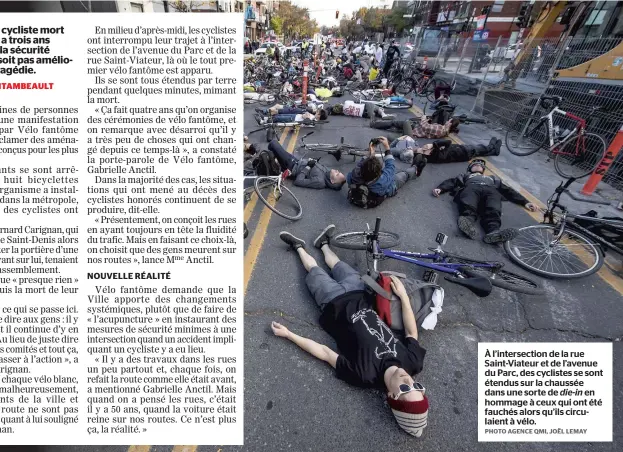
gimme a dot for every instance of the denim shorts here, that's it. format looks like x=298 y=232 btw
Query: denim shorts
x=326 y=288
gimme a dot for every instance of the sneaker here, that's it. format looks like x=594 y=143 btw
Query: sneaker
x=291 y=240
x=503 y=235
x=325 y=236
x=468 y=227
x=407 y=156
x=420 y=163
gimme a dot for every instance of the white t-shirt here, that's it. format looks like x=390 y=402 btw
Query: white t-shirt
x=298 y=118
x=379 y=55
x=353 y=109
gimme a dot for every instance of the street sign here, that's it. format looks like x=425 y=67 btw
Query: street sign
x=480 y=22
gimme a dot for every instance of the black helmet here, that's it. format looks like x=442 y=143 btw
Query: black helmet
x=475 y=162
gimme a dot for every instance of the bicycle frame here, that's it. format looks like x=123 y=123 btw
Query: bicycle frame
x=555 y=145
x=439 y=258
x=548 y=218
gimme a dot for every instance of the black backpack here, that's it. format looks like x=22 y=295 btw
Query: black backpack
x=361 y=196
x=266 y=164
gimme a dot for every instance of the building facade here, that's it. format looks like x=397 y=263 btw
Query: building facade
x=497 y=18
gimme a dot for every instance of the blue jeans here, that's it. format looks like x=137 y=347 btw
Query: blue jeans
x=284 y=118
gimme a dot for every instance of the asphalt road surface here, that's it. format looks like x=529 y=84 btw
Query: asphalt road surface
x=294 y=402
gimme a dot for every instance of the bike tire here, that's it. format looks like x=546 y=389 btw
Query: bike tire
x=430 y=90
x=405 y=86
x=263 y=182
x=592 y=155
x=536 y=133
x=398 y=106
x=500 y=278
x=512 y=248
x=349 y=240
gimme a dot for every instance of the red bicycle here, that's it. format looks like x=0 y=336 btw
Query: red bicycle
x=577 y=152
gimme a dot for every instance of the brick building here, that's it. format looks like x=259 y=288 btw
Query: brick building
x=461 y=17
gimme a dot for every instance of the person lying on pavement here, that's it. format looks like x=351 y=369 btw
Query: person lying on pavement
x=283 y=110
x=379 y=176
x=370 y=355
x=418 y=128
x=307 y=173
x=477 y=196
x=359 y=110
x=320 y=115
x=445 y=151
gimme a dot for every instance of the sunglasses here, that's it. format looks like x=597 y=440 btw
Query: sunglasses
x=405 y=388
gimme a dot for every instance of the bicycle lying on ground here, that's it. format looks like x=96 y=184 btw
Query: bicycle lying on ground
x=275 y=195
x=560 y=247
x=376 y=97
x=336 y=150
x=477 y=276
x=577 y=153
x=271 y=127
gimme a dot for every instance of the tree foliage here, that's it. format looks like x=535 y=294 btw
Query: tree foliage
x=186 y=6
x=364 y=22
x=295 y=21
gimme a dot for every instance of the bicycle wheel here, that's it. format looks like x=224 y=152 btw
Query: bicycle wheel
x=358 y=240
x=430 y=90
x=498 y=277
x=574 y=256
x=405 y=86
x=283 y=202
x=529 y=142
x=580 y=156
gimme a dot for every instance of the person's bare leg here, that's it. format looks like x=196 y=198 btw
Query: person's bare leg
x=307 y=261
x=329 y=256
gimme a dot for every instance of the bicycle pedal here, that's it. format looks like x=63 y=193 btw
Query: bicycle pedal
x=430 y=276
x=442 y=239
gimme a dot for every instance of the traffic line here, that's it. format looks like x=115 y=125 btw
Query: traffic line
x=139 y=448
x=604 y=273
x=259 y=233
x=184 y=449
x=250 y=206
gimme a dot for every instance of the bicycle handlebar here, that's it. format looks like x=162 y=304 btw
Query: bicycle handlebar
x=306 y=135
x=377 y=226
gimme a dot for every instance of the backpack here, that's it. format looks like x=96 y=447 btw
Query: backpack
x=442 y=115
x=361 y=196
x=348 y=73
x=266 y=164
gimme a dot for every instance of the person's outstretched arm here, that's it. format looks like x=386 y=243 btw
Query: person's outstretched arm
x=315 y=349
x=408 y=318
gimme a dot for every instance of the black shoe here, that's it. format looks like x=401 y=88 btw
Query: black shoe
x=325 y=236
x=468 y=227
x=291 y=240
x=503 y=235
x=419 y=162
x=498 y=147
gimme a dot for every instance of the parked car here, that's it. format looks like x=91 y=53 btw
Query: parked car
x=507 y=53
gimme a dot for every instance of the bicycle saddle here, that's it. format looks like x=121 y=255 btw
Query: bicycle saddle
x=479 y=285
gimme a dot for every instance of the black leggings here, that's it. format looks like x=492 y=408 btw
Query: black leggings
x=285 y=159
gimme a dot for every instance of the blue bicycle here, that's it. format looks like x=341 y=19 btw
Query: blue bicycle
x=477 y=276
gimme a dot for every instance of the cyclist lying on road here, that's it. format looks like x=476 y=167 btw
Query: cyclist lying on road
x=442 y=151
x=307 y=172
x=360 y=110
x=373 y=180
x=481 y=196
x=320 y=115
x=279 y=109
x=370 y=355
x=419 y=128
